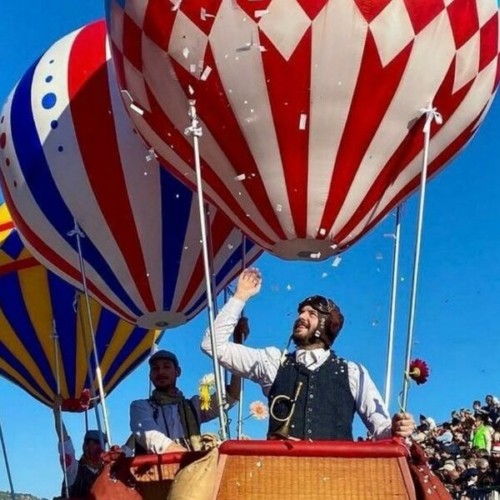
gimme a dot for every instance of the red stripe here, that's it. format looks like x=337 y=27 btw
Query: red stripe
x=65 y=269
x=18 y=265
x=422 y=13
x=464 y=20
x=442 y=159
x=192 y=10
x=218 y=232
x=215 y=109
x=7 y=225
x=132 y=42
x=446 y=103
x=158 y=22
x=288 y=84
x=489 y=42
x=374 y=91
x=91 y=107
x=370 y=9
x=159 y=122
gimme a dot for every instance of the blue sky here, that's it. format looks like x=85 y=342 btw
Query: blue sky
x=457 y=328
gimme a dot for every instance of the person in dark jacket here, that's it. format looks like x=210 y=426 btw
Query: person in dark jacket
x=80 y=473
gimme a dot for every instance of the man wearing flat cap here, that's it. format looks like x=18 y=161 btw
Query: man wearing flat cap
x=167 y=421
x=312 y=393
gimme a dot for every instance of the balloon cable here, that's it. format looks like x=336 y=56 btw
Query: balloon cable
x=392 y=310
x=90 y=374
x=7 y=467
x=55 y=337
x=431 y=114
x=239 y=427
x=77 y=232
x=195 y=131
x=223 y=372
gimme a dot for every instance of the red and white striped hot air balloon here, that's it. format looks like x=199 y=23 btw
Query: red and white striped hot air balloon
x=311 y=110
x=68 y=152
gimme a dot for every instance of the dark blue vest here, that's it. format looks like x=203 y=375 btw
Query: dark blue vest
x=325 y=406
x=85 y=478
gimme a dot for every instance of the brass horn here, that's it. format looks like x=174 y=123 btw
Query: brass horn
x=283 y=430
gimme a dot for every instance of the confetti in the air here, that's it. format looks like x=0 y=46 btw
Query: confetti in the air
x=136 y=108
x=260 y=13
x=204 y=15
x=279 y=208
x=322 y=231
x=289 y=287
x=240 y=177
x=206 y=73
x=303 y=121
x=185 y=52
x=336 y=261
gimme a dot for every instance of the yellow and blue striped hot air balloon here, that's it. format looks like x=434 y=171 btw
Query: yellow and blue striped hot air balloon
x=45 y=333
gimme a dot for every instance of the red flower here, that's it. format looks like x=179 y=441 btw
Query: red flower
x=419 y=371
x=78 y=404
x=85 y=399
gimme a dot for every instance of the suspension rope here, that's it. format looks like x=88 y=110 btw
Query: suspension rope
x=431 y=115
x=55 y=338
x=223 y=371
x=196 y=131
x=239 y=427
x=90 y=373
x=7 y=466
x=77 y=232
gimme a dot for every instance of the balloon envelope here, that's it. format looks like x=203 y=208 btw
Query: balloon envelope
x=69 y=154
x=311 y=111
x=45 y=340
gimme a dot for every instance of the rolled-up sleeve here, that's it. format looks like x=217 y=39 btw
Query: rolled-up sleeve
x=145 y=429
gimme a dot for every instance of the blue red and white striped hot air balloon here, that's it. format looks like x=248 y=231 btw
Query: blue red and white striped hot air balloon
x=311 y=111
x=68 y=151
x=45 y=335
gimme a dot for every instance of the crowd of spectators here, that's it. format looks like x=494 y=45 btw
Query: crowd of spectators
x=465 y=450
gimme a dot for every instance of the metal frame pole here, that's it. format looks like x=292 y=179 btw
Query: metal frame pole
x=196 y=131
x=392 y=310
x=431 y=115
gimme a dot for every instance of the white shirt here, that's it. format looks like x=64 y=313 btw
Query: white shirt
x=261 y=366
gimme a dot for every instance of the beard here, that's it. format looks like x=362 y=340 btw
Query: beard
x=303 y=340
x=299 y=338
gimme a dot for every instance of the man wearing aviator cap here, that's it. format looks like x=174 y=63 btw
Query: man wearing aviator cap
x=312 y=392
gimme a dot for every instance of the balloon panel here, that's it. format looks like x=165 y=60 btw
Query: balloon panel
x=46 y=334
x=71 y=156
x=312 y=112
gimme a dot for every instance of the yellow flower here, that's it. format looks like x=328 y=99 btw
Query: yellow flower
x=205 y=397
x=206 y=384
